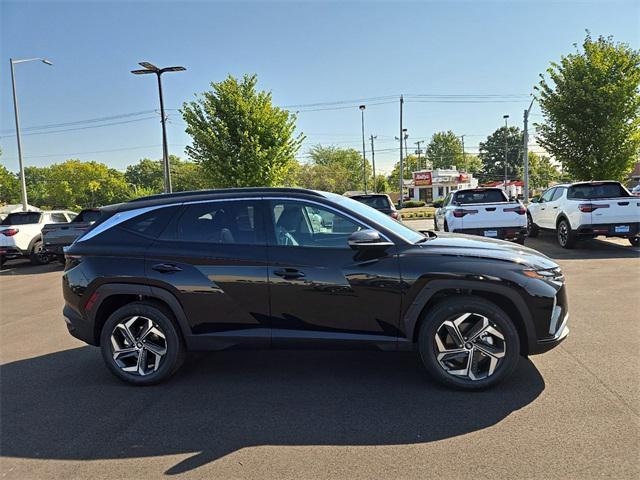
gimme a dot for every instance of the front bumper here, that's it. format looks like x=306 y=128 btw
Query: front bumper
x=502 y=233
x=609 y=229
x=547 y=344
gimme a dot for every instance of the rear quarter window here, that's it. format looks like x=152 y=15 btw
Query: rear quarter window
x=150 y=224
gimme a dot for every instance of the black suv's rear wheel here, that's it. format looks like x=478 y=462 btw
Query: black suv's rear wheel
x=140 y=344
x=468 y=343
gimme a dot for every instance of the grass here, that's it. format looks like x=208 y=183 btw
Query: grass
x=417 y=212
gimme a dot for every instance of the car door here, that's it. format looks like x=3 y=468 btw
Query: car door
x=542 y=219
x=321 y=289
x=440 y=212
x=213 y=257
x=553 y=207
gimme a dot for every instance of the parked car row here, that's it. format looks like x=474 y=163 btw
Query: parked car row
x=573 y=211
x=42 y=236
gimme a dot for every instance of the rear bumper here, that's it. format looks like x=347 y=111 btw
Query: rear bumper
x=8 y=253
x=609 y=229
x=503 y=233
x=55 y=249
x=77 y=326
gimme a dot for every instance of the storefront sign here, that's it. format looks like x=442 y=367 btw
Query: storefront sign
x=422 y=178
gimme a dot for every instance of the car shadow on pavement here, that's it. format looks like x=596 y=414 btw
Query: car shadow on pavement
x=66 y=405
x=596 y=248
x=25 y=267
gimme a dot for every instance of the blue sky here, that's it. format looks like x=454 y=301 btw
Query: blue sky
x=303 y=52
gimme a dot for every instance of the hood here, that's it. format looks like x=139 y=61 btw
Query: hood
x=480 y=247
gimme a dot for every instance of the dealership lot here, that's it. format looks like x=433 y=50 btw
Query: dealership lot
x=571 y=413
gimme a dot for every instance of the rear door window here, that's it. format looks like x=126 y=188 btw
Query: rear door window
x=232 y=222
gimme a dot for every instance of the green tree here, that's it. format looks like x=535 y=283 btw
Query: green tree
x=471 y=163
x=381 y=184
x=492 y=153
x=149 y=174
x=591 y=109
x=445 y=150
x=410 y=165
x=9 y=185
x=75 y=184
x=541 y=171
x=334 y=169
x=239 y=137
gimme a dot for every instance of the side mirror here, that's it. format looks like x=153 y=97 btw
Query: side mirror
x=368 y=239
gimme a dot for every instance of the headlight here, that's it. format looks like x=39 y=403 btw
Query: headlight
x=549 y=274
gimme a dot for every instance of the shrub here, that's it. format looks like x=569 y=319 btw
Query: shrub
x=414 y=203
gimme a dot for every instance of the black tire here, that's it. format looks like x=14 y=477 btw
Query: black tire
x=163 y=320
x=564 y=234
x=38 y=255
x=435 y=224
x=446 y=227
x=61 y=259
x=451 y=309
x=634 y=241
x=532 y=228
x=520 y=240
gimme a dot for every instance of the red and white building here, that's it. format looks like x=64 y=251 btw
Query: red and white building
x=431 y=185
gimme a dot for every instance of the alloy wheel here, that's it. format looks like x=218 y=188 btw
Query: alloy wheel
x=138 y=345
x=563 y=233
x=469 y=347
x=42 y=254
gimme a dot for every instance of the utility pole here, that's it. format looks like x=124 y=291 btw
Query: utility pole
x=418 y=151
x=373 y=162
x=400 y=202
x=23 y=182
x=506 y=131
x=464 y=156
x=364 y=153
x=406 y=150
x=525 y=149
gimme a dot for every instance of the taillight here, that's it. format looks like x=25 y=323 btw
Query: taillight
x=520 y=210
x=590 y=207
x=461 y=212
x=10 y=232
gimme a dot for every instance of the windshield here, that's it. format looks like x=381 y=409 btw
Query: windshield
x=493 y=195
x=88 y=216
x=22 y=218
x=378 y=201
x=590 y=191
x=376 y=216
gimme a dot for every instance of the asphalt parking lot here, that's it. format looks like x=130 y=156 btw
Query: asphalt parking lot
x=571 y=413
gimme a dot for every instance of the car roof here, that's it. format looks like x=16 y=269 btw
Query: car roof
x=203 y=195
x=365 y=195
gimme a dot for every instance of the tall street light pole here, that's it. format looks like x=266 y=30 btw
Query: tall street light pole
x=364 y=156
x=23 y=182
x=525 y=149
x=506 y=131
x=400 y=202
x=373 y=162
x=150 y=68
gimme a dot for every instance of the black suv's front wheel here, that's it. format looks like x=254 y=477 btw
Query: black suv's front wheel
x=468 y=343
x=140 y=344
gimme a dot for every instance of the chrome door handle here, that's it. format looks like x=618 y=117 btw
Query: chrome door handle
x=166 y=268
x=289 y=273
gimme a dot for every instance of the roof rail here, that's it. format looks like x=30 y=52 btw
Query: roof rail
x=221 y=191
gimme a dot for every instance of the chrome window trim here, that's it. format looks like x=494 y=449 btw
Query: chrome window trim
x=121 y=217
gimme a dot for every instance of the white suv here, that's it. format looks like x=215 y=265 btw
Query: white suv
x=20 y=234
x=586 y=210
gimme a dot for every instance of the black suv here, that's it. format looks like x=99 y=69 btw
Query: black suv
x=260 y=267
